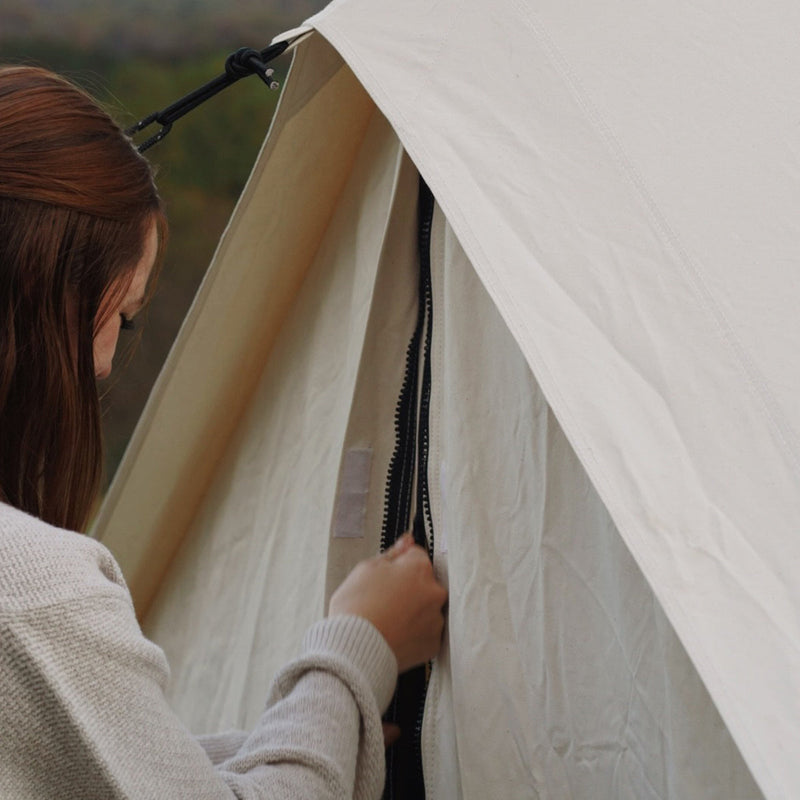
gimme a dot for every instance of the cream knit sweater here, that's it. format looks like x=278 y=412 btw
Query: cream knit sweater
x=82 y=709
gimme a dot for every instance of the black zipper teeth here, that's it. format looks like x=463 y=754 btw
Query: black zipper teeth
x=398 y=494
x=423 y=512
x=412 y=439
x=397 y=497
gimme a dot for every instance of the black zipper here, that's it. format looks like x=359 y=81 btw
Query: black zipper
x=404 y=777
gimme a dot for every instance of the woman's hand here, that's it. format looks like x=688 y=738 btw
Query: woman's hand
x=398 y=593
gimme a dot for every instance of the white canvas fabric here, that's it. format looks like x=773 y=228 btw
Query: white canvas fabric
x=614 y=452
x=636 y=226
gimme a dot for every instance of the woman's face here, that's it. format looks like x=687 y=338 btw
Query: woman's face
x=125 y=308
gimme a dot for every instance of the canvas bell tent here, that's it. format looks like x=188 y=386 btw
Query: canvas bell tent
x=527 y=276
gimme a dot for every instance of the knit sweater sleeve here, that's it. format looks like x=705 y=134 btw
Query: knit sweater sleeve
x=84 y=713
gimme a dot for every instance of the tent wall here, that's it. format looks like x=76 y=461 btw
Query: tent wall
x=559 y=654
x=250 y=577
x=213 y=369
x=615 y=437
x=624 y=182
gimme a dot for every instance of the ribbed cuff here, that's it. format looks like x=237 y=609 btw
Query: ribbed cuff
x=359 y=641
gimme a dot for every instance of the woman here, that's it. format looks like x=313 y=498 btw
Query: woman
x=83 y=713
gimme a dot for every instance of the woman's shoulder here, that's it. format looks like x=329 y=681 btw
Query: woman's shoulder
x=42 y=565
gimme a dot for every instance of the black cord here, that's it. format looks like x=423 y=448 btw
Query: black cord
x=240 y=64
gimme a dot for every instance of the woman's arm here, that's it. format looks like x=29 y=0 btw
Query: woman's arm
x=84 y=713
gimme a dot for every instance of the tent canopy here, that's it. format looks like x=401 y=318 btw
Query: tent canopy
x=618 y=216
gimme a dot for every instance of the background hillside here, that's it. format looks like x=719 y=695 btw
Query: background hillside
x=137 y=56
x=150 y=26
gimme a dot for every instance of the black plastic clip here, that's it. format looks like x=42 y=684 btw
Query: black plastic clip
x=240 y=64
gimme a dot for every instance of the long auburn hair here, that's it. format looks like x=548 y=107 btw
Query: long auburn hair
x=76 y=202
